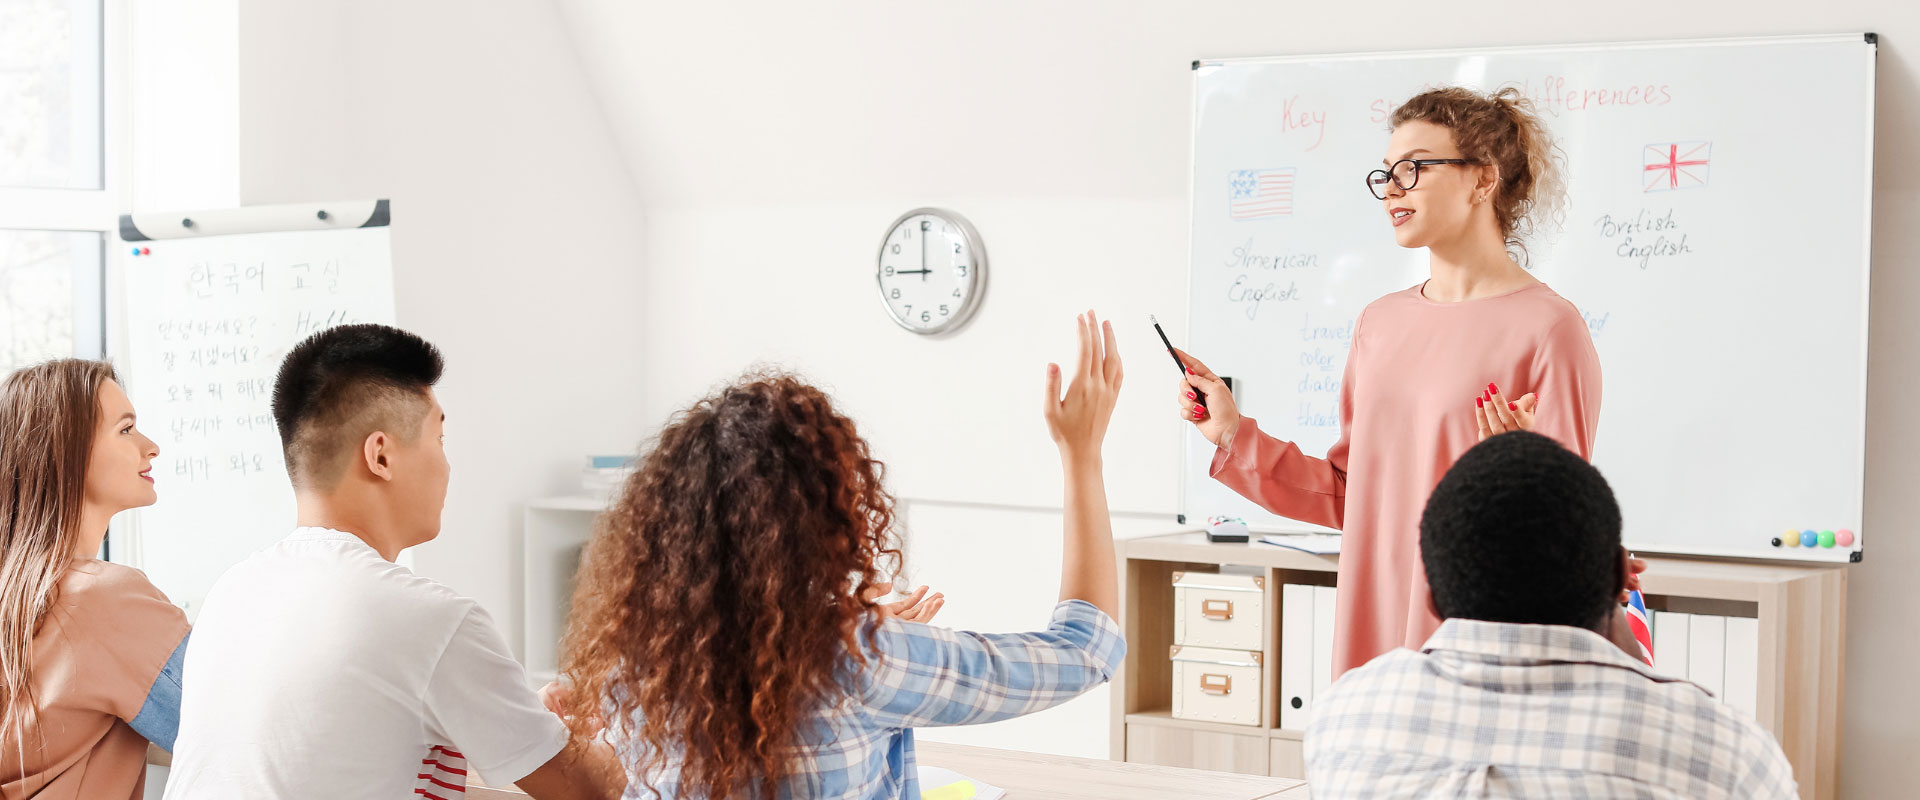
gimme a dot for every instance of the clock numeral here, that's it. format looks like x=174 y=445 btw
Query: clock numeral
x=962 y=270
x=943 y=309
x=896 y=294
x=889 y=272
x=909 y=311
x=896 y=248
x=926 y=225
x=956 y=293
x=926 y=316
x=956 y=248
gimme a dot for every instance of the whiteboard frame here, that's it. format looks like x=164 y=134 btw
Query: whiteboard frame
x=1871 y=52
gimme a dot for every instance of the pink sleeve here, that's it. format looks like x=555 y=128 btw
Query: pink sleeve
x=1566 y=378
x=1284 y=480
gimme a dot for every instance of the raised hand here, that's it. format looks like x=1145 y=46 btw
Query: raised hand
x=1078 y=421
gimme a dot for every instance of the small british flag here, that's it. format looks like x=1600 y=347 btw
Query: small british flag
x=1637 y=620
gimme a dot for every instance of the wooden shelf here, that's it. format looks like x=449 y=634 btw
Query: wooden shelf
x=1165 y=718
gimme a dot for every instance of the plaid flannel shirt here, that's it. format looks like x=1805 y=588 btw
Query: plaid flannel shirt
x=918 y=675
x=1492 y=709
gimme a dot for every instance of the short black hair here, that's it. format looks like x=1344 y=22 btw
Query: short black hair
x=343 y=383
x=1522 y=530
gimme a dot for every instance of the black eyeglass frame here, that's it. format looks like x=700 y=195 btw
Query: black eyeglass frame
x=1375 y=185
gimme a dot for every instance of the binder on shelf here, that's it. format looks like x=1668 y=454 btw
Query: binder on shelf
x=1324 y=606
x=1671 y=634
x=1296 y=656
x=1707 y=653
x=1743 y=664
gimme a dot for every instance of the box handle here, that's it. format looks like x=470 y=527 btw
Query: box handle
x=1221 y=610
x=1214 y=683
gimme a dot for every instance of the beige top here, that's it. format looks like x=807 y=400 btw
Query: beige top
x=95 y=658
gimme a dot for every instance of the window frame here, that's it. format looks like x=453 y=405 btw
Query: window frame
x=91 y=210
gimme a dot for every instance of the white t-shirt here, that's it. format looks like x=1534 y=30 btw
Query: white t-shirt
x=318 y=669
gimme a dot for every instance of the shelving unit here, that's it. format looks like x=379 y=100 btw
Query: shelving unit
x=557 y=529
x=1801 y=611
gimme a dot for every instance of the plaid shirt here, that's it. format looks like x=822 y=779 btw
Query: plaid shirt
x=918 y=675
x=1492 y=709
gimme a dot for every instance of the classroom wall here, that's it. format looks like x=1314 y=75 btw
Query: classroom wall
x=517 y=234
x=772 y=143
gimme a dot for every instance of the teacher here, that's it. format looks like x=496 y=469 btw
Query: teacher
x=1479 y=348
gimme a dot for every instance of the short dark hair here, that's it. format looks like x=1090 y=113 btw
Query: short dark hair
x=344 y=383
x=1522 y=530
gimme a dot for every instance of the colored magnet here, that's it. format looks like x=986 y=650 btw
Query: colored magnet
x=1792 y=538
x=1776 y=541
x=1826 y=538
x=136 y=251
x=1809 y=538
x=1843 y=537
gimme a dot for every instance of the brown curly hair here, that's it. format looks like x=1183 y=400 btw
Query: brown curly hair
x=1500 y=129
x=721 y=595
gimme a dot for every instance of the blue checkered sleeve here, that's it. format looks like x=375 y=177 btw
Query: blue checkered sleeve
x=922 y=676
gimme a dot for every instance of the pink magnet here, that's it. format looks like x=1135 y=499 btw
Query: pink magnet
x=1843 y=537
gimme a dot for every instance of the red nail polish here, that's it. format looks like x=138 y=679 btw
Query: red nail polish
x=1189 y=370
x=1512 y=407
x=1191 y=397
x=1492 y=389
x=1479 y=402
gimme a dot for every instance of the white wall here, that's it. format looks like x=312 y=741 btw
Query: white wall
x=772 y=142
x=517 y=233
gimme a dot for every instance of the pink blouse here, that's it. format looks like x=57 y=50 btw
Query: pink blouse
x=1406 y=413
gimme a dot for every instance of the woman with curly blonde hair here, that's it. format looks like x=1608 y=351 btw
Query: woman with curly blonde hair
x=724 y=634
x=1479 y=348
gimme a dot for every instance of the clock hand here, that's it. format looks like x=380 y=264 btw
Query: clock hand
x=913 y=272
x=923 y=256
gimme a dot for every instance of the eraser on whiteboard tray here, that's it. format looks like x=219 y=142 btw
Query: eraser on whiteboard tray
x=1226 y=529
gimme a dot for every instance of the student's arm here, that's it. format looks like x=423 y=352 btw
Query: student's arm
x=159 y=717
x=478 y=700
x=1078 y=424
x=1266 y=470
x=921 y=676
x=577 y=773
x=129 y=643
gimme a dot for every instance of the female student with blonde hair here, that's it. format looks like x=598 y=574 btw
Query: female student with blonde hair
x=89 y=650
x=1479 y=348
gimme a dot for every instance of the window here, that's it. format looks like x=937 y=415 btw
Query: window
x=59 y=196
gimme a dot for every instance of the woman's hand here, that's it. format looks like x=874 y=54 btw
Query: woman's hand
x=1219 y=419
x=1498 y=415
x=1078 y=421
x=917 y=607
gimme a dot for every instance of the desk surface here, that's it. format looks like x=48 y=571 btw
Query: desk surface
x=1032 y=776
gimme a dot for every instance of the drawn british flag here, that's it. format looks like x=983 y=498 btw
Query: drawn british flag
x=1676 y=165
x=1259 y=193
x=1637 y=620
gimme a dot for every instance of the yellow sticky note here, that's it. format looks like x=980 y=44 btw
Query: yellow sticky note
x=962 y=790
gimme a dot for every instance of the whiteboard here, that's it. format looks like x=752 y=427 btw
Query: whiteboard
x=1716 y=240
x=209 y=320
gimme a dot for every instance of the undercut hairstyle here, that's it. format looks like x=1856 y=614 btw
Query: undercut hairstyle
x=343 y=384
x=1523 y=530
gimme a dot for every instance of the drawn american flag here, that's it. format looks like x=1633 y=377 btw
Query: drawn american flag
x=1259 y=193
x=1676 y=165
x=1637 y=620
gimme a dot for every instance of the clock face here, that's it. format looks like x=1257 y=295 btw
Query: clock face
x=931 y=270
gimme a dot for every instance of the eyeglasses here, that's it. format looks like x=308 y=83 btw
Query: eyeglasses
x=1404 y=173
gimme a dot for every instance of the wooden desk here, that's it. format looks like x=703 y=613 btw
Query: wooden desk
x=1032 y=776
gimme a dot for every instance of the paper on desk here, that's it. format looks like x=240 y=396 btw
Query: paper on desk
x=945 y=784
x=1319 y=544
